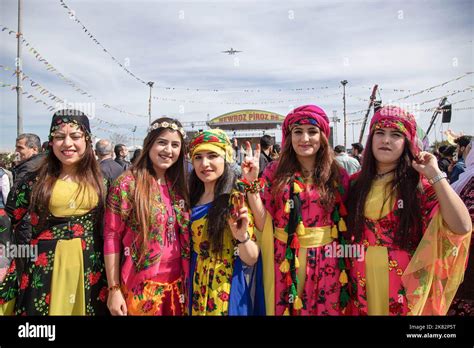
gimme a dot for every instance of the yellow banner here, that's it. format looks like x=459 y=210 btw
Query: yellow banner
x=245 y=116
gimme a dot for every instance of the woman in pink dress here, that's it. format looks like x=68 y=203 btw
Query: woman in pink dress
x=303 y=194
x=412 y=227
x=146 y=228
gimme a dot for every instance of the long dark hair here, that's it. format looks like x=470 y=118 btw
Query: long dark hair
x=325 y=172
x=87 y=172
x=405 y=184
x=144 y=175
x=219 y=211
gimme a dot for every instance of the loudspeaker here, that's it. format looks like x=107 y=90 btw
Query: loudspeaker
x=446 y=113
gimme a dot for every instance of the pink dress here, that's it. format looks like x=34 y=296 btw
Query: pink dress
x=321 y=289
x=164 y=268
x=393 y=264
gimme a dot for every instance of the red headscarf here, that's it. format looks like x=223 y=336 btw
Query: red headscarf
x=306 y=114
x=394 y=117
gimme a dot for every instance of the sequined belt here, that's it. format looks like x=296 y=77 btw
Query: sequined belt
x=65 y=228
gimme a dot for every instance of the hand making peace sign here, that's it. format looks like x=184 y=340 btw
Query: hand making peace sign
x=250 y=165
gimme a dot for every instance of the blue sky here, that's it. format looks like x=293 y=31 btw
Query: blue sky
x=288 y=46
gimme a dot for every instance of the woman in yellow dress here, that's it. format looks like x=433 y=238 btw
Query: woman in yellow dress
x=225 y=272
x=61 y=208
x=413 y=229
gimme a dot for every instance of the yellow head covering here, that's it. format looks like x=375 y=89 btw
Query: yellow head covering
x=215 y=140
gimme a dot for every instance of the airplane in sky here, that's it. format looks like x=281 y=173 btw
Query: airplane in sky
x=231 y=51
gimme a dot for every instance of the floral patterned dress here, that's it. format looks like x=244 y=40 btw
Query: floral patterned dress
x=463 y=304
x=154 y=283
x=319 y=286
x=44 y=287
x=388 y=283
x=214 y=276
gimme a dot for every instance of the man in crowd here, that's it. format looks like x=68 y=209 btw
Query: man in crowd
x=29 y=159
x=121 y=153
x=446 y=153
x=462 y=149
x=28 y=156
x=351 y=165
x=357 y=149
x=110 y=168
x=266 y=145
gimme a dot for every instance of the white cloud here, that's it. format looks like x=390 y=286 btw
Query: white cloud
x=287 y=44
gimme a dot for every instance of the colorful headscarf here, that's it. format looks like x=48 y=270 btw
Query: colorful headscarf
x=70 y=116
x=394 y=117
x=215 y=140
x=306 y=114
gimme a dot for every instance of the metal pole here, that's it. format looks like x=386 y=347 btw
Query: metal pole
x=335 y=120
x=372 y=100
x=335 y=131
x=435 y=114
x=133 y=136
x=18 y=64
x=150 y=83
x=344 y=83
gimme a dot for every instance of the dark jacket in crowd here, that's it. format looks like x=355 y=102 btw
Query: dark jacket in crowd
x=443 y=164
x=263 y=162
x=110 y=169
x=31 y=165
x=125 y=164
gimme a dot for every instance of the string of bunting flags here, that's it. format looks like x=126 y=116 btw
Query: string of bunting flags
x=467 y=89
x=49 y=67
x=436 y=86
x=72 y=15
x=264 y=102
x=361 y=120
x=447 y=95
x=43 y=90
x=245 y=90
x=30 y=96
x=95 y=127
x=52 y=108
x=54 y=98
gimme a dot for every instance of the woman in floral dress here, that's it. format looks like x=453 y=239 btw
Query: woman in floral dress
x=303 y=195
x=146 y=228
x=413 y=228
x=224 y=279
x=61 y=207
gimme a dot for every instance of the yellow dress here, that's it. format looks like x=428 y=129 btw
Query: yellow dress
x=64 y=261
x=67 y=284
x=212 y=276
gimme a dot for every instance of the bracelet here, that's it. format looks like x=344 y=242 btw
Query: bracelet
x=437 y=178
x=252 y=187
x=114 y=287
x=244 y=241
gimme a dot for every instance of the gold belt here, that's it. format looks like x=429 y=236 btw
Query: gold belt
x=312 y=238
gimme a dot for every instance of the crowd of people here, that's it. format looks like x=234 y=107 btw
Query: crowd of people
x=198 y=227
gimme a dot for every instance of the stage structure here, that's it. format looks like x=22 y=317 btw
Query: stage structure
x=244 y=125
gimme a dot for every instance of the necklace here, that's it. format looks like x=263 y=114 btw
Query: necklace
x=380 y=176
x=170 y=222
x=307 y=173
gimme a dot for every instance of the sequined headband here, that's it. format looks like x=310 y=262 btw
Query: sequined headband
x=70 y=116
x=166 y=124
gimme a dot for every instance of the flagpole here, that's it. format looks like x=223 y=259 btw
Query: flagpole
x=19 y=73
